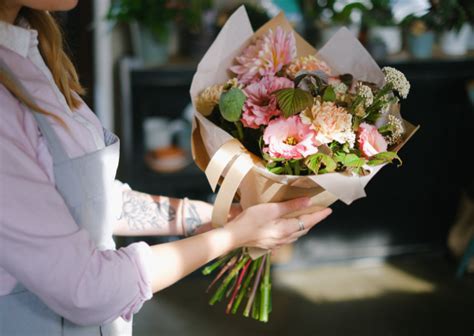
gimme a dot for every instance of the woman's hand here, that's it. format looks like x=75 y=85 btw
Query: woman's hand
x=259 y=226
x=235 y=210
x=263 y=226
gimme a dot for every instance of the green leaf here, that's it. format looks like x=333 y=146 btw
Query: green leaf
x=268 y=158
x=314 y=163
x=288 y=170
x=231 y=104
x=384 y=157
x=353 y=161
x=329 y=94
x=388 y=128
x=340 y=156
x=295 y=164
x=271 y=165
x=293 y=101
x=276 y=170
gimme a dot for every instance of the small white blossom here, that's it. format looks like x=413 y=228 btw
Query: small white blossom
x=398 y=81
x=365 y=92
x=340 y=88
x=396 y=126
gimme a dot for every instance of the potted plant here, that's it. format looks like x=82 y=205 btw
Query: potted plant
x=197 y=27
x=420 y=35
x=381 y=26
x=327 y=18
x=150 y=24
x=452 y=18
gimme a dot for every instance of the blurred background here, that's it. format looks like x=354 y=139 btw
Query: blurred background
x=394 y=263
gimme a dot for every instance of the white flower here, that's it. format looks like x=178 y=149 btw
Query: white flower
x=398 y=81
x=365 y=92
x=397 y=130
x=340 y=88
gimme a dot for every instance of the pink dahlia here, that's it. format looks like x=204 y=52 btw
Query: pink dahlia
x=371 y=142
x=289 y=139
x=266 y=56
x=261 y=104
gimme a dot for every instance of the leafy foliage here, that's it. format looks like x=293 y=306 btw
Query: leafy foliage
x=329 y=94
x=293 y=101
x=320 y=163
x=384 y=157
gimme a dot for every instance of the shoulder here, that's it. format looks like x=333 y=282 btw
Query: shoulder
x=18 y=126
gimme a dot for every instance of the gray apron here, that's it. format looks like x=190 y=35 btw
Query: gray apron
x=86 y=185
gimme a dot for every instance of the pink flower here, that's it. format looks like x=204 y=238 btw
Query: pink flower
x=266 y=56
x=261 y=104
x=371 y=142
x=289 y=139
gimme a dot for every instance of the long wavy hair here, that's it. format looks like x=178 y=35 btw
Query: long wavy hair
x=50 y=40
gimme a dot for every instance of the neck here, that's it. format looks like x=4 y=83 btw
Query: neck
x=9 y=12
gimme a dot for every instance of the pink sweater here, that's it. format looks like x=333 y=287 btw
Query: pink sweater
x=40 y=244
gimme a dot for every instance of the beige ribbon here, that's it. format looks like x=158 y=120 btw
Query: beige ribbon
x=233 y=162
x=233 y=158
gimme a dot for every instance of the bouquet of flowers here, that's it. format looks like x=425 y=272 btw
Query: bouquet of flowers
x=276 y=120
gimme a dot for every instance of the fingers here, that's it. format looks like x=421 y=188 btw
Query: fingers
x=308 y=221
x=314 y=218
x=278 y=210
x=298 y=234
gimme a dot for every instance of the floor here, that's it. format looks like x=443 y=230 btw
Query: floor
x=405 y=295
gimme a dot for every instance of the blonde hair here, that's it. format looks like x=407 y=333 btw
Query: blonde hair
x=51 y=48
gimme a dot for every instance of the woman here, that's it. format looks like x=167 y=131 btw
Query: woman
x=59 y=271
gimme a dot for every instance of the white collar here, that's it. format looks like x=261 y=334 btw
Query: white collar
x=16 y=38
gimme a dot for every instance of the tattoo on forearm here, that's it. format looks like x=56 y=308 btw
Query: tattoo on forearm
x=142 y=212
x=192 y=220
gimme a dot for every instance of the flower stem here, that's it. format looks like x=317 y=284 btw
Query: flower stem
x=232 y=274
x=255 y=286
x=244 y=288
x=265 y=292
x=238 y=285
x=224 y=269
x=209 y=269
x=256 y=308
x=230 y=288
x=240 y=130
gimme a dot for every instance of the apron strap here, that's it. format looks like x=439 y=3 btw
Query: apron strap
x=54 y=143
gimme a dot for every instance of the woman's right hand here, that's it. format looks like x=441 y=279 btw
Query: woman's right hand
x=263 y=225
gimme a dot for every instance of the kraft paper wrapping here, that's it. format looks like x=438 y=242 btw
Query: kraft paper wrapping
x=246 y=172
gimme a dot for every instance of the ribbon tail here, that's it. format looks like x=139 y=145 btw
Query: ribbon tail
x=237 y=171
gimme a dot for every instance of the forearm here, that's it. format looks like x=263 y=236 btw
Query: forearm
x=173 y=261
x=144 y=215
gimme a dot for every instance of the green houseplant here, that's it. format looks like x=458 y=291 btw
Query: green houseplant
x=150 y=25
x=453 y=17
x=196 y=26
x=325 y=18
x=381 y=26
